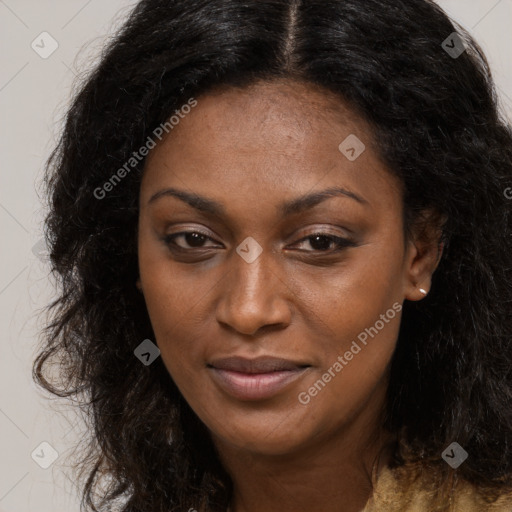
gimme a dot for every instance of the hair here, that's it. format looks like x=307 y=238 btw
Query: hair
x=438 y=128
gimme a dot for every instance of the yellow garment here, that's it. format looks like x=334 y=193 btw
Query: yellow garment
x=391 y=495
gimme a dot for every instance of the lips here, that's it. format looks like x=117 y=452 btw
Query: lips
x=255 y=379
x=262 y=364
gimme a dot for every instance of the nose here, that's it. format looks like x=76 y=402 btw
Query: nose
x=254 y=296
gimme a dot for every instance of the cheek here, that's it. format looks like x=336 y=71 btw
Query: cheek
x=354 y=366
x=174 y=311
x=356 y=314
x=172 y=291
x=341 y=303
x=173 y=302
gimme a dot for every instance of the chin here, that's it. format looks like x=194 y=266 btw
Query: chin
x=277 y=435
x=262 y=443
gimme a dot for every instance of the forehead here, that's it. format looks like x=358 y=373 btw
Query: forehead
x=279 y=135
x=280 y=113
x=296 y=105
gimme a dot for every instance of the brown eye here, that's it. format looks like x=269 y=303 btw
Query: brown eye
x=323 y=242
x=320 y=242
x=187 y=240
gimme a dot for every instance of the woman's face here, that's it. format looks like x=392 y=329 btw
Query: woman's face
x=245 y=173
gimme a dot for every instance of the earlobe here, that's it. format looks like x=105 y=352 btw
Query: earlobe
x=423 y=258
x=138 y=284
x=418 y=278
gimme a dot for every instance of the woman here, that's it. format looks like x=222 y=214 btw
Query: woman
x=283 y=240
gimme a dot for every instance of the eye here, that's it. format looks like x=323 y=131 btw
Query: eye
x=189 y=240
x=324 y=242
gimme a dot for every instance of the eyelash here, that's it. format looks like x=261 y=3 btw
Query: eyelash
x=340 y=243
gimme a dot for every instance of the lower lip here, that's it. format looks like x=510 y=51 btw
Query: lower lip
x=255 y=386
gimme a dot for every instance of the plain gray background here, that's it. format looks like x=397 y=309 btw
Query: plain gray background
x=34 y=94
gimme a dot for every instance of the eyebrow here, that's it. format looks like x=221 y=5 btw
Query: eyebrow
x=305 y=202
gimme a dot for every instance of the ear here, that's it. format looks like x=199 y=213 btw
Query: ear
x=423 y=253
x=138 y=284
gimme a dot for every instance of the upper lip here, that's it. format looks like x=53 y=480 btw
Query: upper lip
x=262 y=364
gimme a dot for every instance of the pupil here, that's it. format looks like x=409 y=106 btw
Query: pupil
x=194 y=239
x=320 y=242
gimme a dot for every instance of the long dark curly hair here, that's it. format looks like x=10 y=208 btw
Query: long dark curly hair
x=436 y=125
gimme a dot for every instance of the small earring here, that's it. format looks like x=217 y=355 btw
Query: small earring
x=423 y=291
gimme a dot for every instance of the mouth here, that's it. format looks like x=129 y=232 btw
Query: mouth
x=255 y=379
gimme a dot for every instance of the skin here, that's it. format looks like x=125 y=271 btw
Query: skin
x=250 y=150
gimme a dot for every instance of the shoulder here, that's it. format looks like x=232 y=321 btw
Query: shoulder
x=407 y=490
